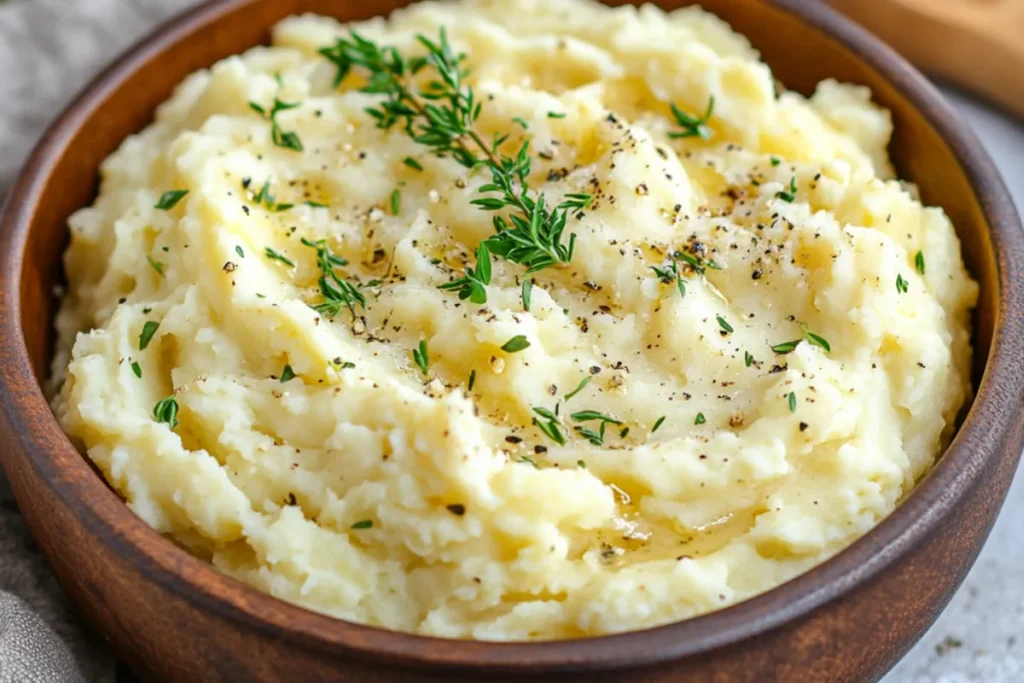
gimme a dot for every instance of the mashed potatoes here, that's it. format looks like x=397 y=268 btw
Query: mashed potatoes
x=756 y=419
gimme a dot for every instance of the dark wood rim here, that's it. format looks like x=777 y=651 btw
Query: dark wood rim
x=50 y=452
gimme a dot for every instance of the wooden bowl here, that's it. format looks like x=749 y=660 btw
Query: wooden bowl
x=172 y=617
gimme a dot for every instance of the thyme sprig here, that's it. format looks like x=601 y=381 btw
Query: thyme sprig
x=279 y=136
x=693 y=126
x=337 y=292
x=473 y=284
x=442 y=115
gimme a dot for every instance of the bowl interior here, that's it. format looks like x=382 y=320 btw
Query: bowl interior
x=62 y=177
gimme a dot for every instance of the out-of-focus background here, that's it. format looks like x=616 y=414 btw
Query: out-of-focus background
x=50 y=48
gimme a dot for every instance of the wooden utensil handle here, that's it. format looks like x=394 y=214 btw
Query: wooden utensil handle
x=978 y=44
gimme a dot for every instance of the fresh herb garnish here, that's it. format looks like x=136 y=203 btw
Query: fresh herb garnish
x=266 y=199
x=472 y=380
x=137 y=369
x=579 y=387
x=363 y=524
x=699 y=420
x=748 y=359
x=555 y=115
x=786 y=347
x=420 y=356
x=812 y=338
x=670 y=274
x=238 y=250
x=274 y=255
x=148 y=330
x=548 y=423
x=166 y=410
x=287 y=374
x=919 y=262
x=337 y=292
x=658 y=424
x=522 y=122
x=815 y=339
x=527 y=290
x=472 y=285
x=280 y=137
x=776 y=161
x=516 y=344
x=157 y=266
x=396 y=202
x=724 y=324
x=412 y=163
x=582 y=465
x=595 y=438
x=169 y=199
x=792 y=402
x=442 y=116
x=791 y=194
x=693 y=127
x=902 y=286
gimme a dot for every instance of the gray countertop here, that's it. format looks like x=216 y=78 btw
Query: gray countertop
x=48 y=48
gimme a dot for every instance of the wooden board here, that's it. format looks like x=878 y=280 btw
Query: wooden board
x=977 y=44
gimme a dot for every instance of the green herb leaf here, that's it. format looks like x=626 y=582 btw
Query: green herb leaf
x=726 y=327
x=148 y=330
x=748 y=359
x=169 y=199
x=815 y=339
x=549 y=425
x=516 y=344
x=412 y=163
x=137 y=369
x=280 y=137
x=582 y=465
x=338 y=293
x=789 y=196
x=658 y=424
x=786 y=347
x=420 y=356
x=527 y=290
x=902 y=286
x=919 y=262
x=363 y=524
x=792 y=402
x=473 y=285
x=166 y=410
x=589 y=415
x=238 y=250
x=522 y=122
x=277 y=256
x=693 y=127
x=555 y=115
x=287 y=374
x=776 y=161
x=396 y=202
x=157 y=266
x=472 y=380
x=700 y=419
x=579 y=387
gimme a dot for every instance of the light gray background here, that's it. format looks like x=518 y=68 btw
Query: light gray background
x=49 y=48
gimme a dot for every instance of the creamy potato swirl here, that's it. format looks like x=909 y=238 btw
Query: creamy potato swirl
x=311 y=456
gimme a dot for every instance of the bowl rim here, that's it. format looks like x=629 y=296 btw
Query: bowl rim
x=47 y=449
